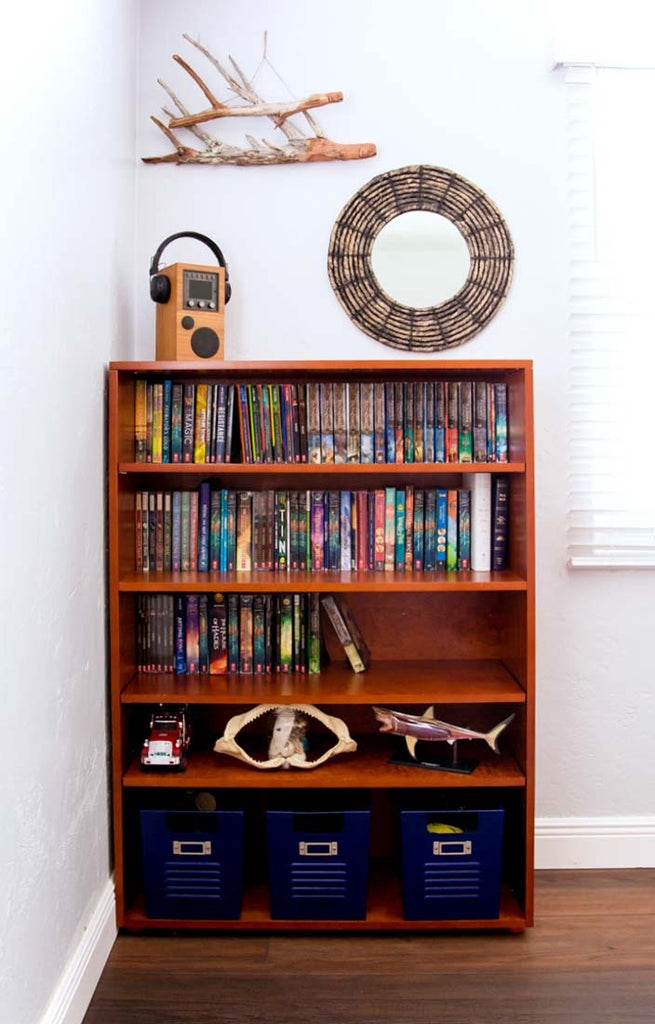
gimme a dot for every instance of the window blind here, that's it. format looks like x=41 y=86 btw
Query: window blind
x=611 y=317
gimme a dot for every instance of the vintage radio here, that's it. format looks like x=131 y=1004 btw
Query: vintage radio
x=190 y=305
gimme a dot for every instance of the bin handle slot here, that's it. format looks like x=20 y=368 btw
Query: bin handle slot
x=318 y=849
x=192 y=847
x=452 y=848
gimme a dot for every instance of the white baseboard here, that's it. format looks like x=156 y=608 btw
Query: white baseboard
x=595 y=842
x=77 y=984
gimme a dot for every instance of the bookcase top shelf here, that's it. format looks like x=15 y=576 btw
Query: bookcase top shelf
x=324 y=582
x=408 y=368
x=313 y=470
x=368 y=768
x=402 y=682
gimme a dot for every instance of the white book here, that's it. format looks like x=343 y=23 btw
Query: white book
x=479 y=485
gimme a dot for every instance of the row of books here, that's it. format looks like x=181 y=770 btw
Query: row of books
x=217 y=634
x=387 y=529
x=327 y=422
x=178 y=422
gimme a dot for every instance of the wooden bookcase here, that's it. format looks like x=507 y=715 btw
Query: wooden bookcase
x=463 y=641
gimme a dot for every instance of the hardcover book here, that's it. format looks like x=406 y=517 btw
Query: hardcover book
x=479 y=485
x=347 y=633
x=218 y=636
x=140 y=421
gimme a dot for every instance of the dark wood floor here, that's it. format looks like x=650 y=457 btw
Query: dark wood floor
x=589 y=960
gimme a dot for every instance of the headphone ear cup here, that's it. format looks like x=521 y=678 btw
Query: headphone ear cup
x=228 y=291
x=160 y=288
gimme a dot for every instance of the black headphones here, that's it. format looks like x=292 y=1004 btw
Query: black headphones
x=160 y=286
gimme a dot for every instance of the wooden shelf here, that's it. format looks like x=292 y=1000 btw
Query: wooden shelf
x=384 y=912
x=311 y=470
x=481 y=681
x=324 y=582
x=367 y=768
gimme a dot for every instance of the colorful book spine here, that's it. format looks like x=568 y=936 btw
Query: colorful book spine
x=399 y=407
x=267 y=432
x=409 y=527
x=168 y=532
x=148 y=422
x=231 y=530
x=244 y=532
x=185 y=540
x=390 y=422
x=215 y=530
x=286 y=634
x=491 y=423
x=379 y=422
x=465 y=422
x=419 y=529
x=451 y=531
x=194 y=523
x=353 y=422
x=399 y=555
x=203 y=527
x=276 y=407
x=379 y=530
x=430 y=453
x=313 y=422
x=361 y=501
x=419 y=420
x=281 y=560
x=302 y=420
x=258 y=635
x=245 y=634
x=500 y=391
x=345 y=553
x=218 y=636
x=188 y=415
x=452 y=421
x=367 y=423
x=200 y=431
x=192 y=635
x=180 y=635
x=340 y=401
x=233 y=632
x=314 y=639
x=203 y=634
x=430 y=545
x=221 y=423
x=439 y=421
x=464 y=529
x=389 y=528
x=327 y=422
x=408 y=431
x=177 y=406
x=140 y=421
x=334 y=533
x=166 y=422
x=442 y=529
x=479 y=421
x=317 y=530
x=229 y=422
x=138 y=531
x=157 y=421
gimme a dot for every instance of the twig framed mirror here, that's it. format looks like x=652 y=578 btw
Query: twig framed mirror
x=414 y=326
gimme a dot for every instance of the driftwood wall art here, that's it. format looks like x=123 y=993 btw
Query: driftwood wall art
x=300 y=147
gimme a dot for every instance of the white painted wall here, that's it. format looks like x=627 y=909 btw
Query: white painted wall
x=66 y=275
x=467 y=86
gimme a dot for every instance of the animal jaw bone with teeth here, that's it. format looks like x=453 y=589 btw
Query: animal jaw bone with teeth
x=284 y=755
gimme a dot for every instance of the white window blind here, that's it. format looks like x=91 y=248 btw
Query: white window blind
x=612 y=317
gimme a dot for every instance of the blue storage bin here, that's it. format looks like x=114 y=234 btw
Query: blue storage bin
x=318 y=864
x=451 y=876
x=192 y=863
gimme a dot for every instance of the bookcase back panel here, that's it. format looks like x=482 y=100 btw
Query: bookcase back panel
x=428 y=626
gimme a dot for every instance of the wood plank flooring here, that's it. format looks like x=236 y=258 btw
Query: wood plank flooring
x=589 y=960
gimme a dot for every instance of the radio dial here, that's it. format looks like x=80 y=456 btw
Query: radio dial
x=201 y=303
x=191 y=303
x=212 y=305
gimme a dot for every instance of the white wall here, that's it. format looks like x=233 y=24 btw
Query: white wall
x=66 y=274
x=467 y=86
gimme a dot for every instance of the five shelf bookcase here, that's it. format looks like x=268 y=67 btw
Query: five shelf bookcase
x=463 y=641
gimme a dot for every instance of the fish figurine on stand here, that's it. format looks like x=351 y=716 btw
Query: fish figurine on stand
x=428 y=728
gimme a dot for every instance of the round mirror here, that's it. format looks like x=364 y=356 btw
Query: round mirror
x=420 y=259
x=449 y=302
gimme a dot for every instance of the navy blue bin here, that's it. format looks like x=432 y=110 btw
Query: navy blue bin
x=450 y=876
x=192 y=863
x=318 y=864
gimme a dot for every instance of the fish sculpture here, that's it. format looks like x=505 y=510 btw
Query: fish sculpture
x=427 y=727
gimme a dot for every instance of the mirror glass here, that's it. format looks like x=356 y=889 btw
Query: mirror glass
x=420 y=259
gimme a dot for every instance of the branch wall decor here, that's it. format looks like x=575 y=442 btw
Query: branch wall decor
x=479 y=221
x=299 y=147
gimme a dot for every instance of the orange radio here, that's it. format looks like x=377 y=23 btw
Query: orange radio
x=190 y=305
